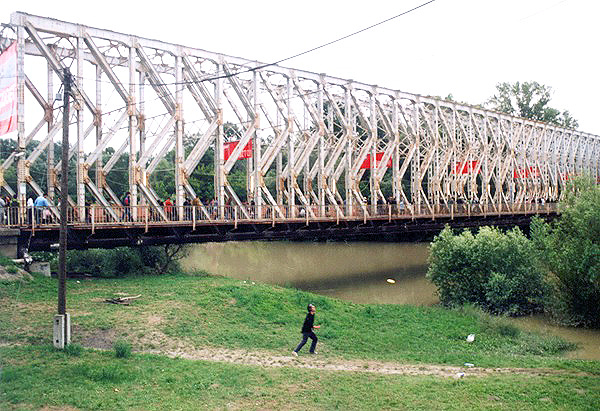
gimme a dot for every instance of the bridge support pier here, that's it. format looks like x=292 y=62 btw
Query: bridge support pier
x=9 y=242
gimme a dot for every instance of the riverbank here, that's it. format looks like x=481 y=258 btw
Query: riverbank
x=227 y=342
x=355 y=272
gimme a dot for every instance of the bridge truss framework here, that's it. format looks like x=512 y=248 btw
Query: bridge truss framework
x=314 y=138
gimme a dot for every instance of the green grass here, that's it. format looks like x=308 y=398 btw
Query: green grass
x=99 y=381
x=221 y=312
x=202 y=311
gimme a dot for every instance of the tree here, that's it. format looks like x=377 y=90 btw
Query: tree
x=570 y=251
x=529 y=100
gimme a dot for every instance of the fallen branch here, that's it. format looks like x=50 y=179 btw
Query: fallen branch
x=122 y=300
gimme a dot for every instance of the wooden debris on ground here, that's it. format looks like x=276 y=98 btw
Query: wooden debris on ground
x=122 y=300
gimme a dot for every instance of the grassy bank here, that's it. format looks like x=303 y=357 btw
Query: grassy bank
x=97 y=380
x=196 y=312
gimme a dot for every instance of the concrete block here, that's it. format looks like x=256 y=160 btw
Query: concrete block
x=40 y=267
x=61 y=330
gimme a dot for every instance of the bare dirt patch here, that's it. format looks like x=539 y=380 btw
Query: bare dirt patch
x=156 y=342
x=102 y=339
x=314 y=362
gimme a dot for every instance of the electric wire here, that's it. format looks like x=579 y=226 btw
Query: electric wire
x=252 y=69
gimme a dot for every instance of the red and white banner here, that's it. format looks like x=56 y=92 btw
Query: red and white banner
x=465 y=167
x=8 y=90
x=531 y=172
x=229 y=147
x=378 y=158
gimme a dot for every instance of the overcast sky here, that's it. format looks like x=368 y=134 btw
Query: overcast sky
x=458 y=47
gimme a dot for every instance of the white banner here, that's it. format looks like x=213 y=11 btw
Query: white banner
x=8 y=90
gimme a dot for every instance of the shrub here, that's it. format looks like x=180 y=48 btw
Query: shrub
x=91 y=262
x=570 y=251
x=494 y=270
x=125 y=261
x=122 y=349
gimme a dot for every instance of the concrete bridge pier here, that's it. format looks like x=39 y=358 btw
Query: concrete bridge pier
x=9 y=242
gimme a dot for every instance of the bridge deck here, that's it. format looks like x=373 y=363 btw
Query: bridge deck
x=137 y=225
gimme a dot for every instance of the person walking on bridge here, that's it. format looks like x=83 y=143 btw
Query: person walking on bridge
x=307 y=331
x=42 y=212
x=168 y=206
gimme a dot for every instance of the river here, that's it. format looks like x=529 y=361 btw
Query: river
x=388 y=273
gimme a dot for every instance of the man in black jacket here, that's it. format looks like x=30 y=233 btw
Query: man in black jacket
x=307 y=331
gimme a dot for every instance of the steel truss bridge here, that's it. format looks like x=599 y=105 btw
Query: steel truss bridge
x=321 y=154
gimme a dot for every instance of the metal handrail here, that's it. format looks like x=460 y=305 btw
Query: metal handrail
x=145 y=215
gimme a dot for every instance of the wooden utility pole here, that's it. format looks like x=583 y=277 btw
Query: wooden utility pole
x=62 y=239
x=62 y=322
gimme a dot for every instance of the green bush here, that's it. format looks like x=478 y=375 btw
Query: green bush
x=569 y=249
x=122 y=349
x=151 y=257
x=494 y=270
x=90 y=262
x=124 y=261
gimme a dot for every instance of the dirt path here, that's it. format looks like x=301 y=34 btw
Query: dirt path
x=316 y=362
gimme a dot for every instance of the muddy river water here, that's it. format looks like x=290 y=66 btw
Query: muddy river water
x=357 y=272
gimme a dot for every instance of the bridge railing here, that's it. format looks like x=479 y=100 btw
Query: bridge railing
x=95 y=215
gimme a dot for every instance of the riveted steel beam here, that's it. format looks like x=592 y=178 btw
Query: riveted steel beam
x=328 y=143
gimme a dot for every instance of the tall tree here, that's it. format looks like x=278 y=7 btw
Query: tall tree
x=569 y=249
x=529 y=100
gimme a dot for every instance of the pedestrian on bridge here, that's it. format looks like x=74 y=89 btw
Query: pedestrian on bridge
x=168 y=206
x=307 y=331
x=127 y=207
x=42 y=212
x=196 y=203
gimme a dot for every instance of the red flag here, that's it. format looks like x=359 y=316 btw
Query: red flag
x=8 y=90
x=528 y=172
x=465 y=167
x=378 y=158
x=229 y=147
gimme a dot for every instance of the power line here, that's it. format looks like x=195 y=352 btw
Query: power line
x=222 y=76
x=345 y=37
x=307 y=51
x=218 y=76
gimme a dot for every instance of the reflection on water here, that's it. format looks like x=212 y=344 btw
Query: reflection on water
x=408 y=288
x=356 y=272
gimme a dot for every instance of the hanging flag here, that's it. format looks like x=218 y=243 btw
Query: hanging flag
x=465 y=167
x=528 y=172
x=229 y=147
x=8 y=90
x=378 y=158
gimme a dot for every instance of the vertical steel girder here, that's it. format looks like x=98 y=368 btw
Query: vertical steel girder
x=307 y=131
